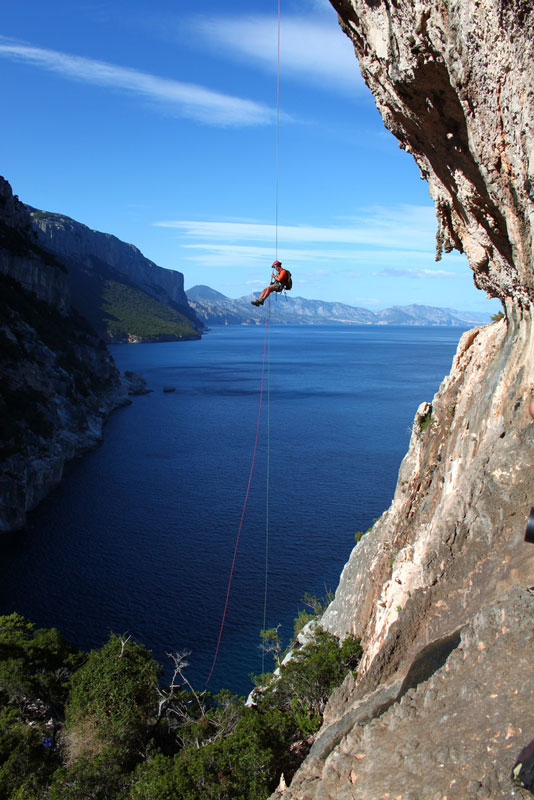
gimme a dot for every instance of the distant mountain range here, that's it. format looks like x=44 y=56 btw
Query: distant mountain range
x=213 y=308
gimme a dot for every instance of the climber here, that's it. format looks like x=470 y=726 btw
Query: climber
x=281 y=279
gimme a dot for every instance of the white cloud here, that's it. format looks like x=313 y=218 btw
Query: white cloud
x=415 y=273
x=186 y=99
x=312 y=48
x=406 y=228
x=376 y=243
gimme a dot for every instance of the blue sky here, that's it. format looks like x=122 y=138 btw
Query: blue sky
x=156 y=122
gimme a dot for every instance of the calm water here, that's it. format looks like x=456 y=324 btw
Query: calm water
x=140 y=535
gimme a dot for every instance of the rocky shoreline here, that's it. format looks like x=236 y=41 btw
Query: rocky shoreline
x=59 y=383
x=28 y=479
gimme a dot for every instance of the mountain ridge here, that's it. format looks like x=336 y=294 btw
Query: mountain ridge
x=214 y=308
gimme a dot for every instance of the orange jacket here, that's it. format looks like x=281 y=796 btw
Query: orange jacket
x=282 y=276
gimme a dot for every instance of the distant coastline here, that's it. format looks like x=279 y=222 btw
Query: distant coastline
x=214 y=309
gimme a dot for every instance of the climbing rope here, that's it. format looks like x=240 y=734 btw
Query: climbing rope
x=266 y=360
x=246 y=497
x=268 y=435
x=268 y=470
x=277 y=156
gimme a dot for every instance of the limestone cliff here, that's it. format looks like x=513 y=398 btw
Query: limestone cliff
x=125 y=296
x=22 y=258
x=58 y=382
x=439 y=589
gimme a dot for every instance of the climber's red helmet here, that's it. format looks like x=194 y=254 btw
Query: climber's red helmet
x=277 y=263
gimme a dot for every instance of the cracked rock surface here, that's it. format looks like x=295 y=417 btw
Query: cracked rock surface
x=454 y=735
x=439 y=589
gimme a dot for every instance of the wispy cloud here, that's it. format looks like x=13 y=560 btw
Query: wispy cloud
x=414 y=273
x=185 y=99
x=219 y=254
x=407 y=228
x=391 y=243
x=312 y=48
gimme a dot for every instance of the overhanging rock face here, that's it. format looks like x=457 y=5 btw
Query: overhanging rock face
x=453 y=81
x=439 y=590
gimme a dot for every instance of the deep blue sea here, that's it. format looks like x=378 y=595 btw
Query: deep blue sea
x=140 y=535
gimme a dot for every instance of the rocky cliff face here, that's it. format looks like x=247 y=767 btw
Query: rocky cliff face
x=23 y=259
x=77 y=244
x=58 y=382
x=438 y=590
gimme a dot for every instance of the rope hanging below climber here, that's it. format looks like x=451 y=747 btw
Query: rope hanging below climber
x=281 y=281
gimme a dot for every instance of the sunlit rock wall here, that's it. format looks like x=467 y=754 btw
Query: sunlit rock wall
x=439 y=589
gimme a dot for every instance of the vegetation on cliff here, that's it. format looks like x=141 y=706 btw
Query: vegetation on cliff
x=57 y=384
x=45 y=355
x=128 y=311
x=121 y=311
x=94 y=726
x=124 y=295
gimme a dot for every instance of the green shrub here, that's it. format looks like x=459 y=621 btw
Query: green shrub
x=315 y=608
x=126 y=309
x=35 y=667
x=114 y=744
x=425 y=422
x=112 y=701
x=100 y=777
x=307 y=679
x=34 y=662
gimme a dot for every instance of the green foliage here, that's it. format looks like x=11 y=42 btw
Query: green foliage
x=236 y=767
x=271 y=643
x=113 y=743
x=315 y=608
x=34 y=662
x=112 y=700
x=21 y=755
x=100 y=777
x=497 y=317
x=35 y=667
x=425 y=422
x=359 y=534
x=307 y=679
x=127 y=309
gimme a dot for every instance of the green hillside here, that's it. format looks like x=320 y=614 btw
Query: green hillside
x=129 y=310
x=119 y=310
